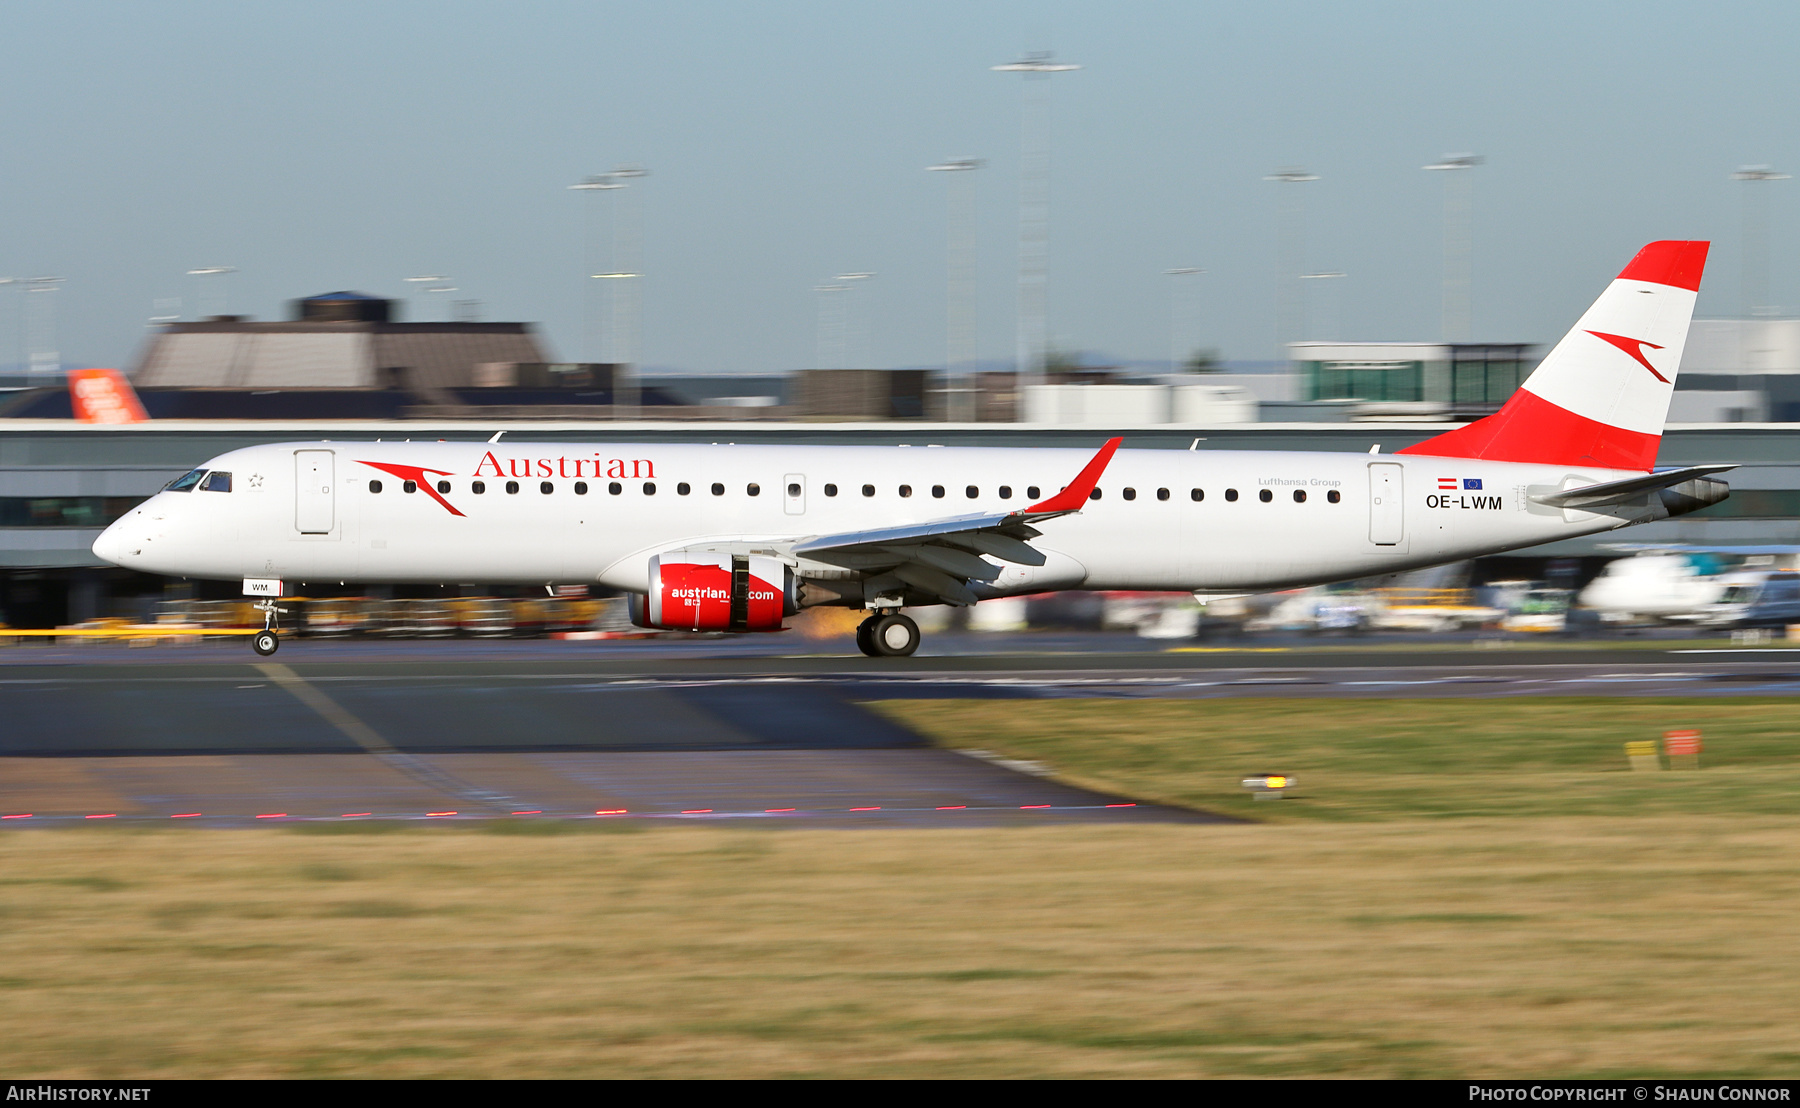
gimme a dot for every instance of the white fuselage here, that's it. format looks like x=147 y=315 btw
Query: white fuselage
x=307 y=511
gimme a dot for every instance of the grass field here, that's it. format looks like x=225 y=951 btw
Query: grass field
x=1464 y=888
x=1361 y=759
x=1453 y=948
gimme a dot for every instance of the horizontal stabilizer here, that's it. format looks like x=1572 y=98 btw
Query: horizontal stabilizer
x=1617 y=492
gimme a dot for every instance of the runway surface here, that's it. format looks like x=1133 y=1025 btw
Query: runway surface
x=689 y=730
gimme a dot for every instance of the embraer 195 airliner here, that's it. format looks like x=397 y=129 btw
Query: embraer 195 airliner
x=735 y=538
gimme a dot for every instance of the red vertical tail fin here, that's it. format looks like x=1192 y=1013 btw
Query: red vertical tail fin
x=1599 y=398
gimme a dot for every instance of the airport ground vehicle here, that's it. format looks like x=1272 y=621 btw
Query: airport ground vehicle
x=735 y=538
x=1765 y=598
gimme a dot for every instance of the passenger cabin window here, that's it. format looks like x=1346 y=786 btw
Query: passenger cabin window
x=1095 y=493
x=1032 y=492
x=374 y=486
x=581 y=488
x=1265 y=496
x=1162 y=494
x=217 y=481
x=476 y=487
x=753 y=489
x=1129 y=494
x=186 y=482
x=1299 y=496
x=937 y=491
x=409 y=486
x=1334 y=496
x=682 y=489
x=830 y=490
x=718 y=489
x=972 y=492
x=443 y=486
x=868 y=490
x=905 y=491
x=615 y=488
x=649 y=488
x=512 y=487
x=1196 y=495
x=546 y=488
x=1006 y=492
x=1231 y=495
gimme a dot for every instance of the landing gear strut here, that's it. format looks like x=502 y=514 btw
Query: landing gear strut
x=266 y=641
x=887 y=635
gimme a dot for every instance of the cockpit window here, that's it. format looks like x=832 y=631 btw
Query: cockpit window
x=186 y=482
x=217 y=481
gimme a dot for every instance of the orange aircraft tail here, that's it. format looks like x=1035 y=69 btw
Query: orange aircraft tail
x=104 y=396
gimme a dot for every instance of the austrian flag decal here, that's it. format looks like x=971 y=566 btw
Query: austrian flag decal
x=1451 y=484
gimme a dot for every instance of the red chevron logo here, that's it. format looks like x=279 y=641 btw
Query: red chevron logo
x=1634 y=347
x=416 y=473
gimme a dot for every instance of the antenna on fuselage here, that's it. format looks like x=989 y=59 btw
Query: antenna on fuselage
x=1375 y=449
x=497 y=435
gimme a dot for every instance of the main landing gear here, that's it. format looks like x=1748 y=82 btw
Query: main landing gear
x=887 y=635
x=266 y=641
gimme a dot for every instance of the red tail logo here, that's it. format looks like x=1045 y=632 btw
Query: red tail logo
x=417 y=473
x=1634 y=347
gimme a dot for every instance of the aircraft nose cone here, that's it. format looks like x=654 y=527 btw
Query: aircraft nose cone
x=109 y=547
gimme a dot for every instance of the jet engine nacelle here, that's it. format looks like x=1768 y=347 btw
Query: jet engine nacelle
x=716 y=592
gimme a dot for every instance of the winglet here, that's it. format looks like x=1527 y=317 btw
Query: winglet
x=1075 y=495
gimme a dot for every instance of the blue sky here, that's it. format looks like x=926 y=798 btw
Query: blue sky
x=349 y=145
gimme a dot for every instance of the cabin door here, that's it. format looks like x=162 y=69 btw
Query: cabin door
x=315 y=512
x=1387 y=519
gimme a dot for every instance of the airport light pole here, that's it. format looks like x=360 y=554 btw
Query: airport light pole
x=959 y=294
x=422 y=287
x=18 y=343
x=1337 y=304
x=40 y=299
x=592 y=337
x=1756 y=237
x=1459 y=243
x=1034 y=210
x=625 y=297
x=628 y=297
x=1291 y=256
x=1184 y=312
x=221 y=274
x=856 y=320
x=828 y=348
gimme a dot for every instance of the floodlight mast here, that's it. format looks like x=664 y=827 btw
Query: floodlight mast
x=18 y=343
x=592 y=327
x=40 y=301
x=624 y=290
x=1182 y=310
x=1290 y=307
x=960 y=329
x=1034 y=210
x=1756 y=237
x=426 y=285
x=1337 y=315
x=222 y=273
x=1459 y=244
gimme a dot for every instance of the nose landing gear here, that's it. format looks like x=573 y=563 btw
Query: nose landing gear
x=887 y=635
x=266 y=641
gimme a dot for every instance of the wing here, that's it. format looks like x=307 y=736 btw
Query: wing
x=943 y=557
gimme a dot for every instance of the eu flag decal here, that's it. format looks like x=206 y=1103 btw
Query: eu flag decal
x=1471 y=482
